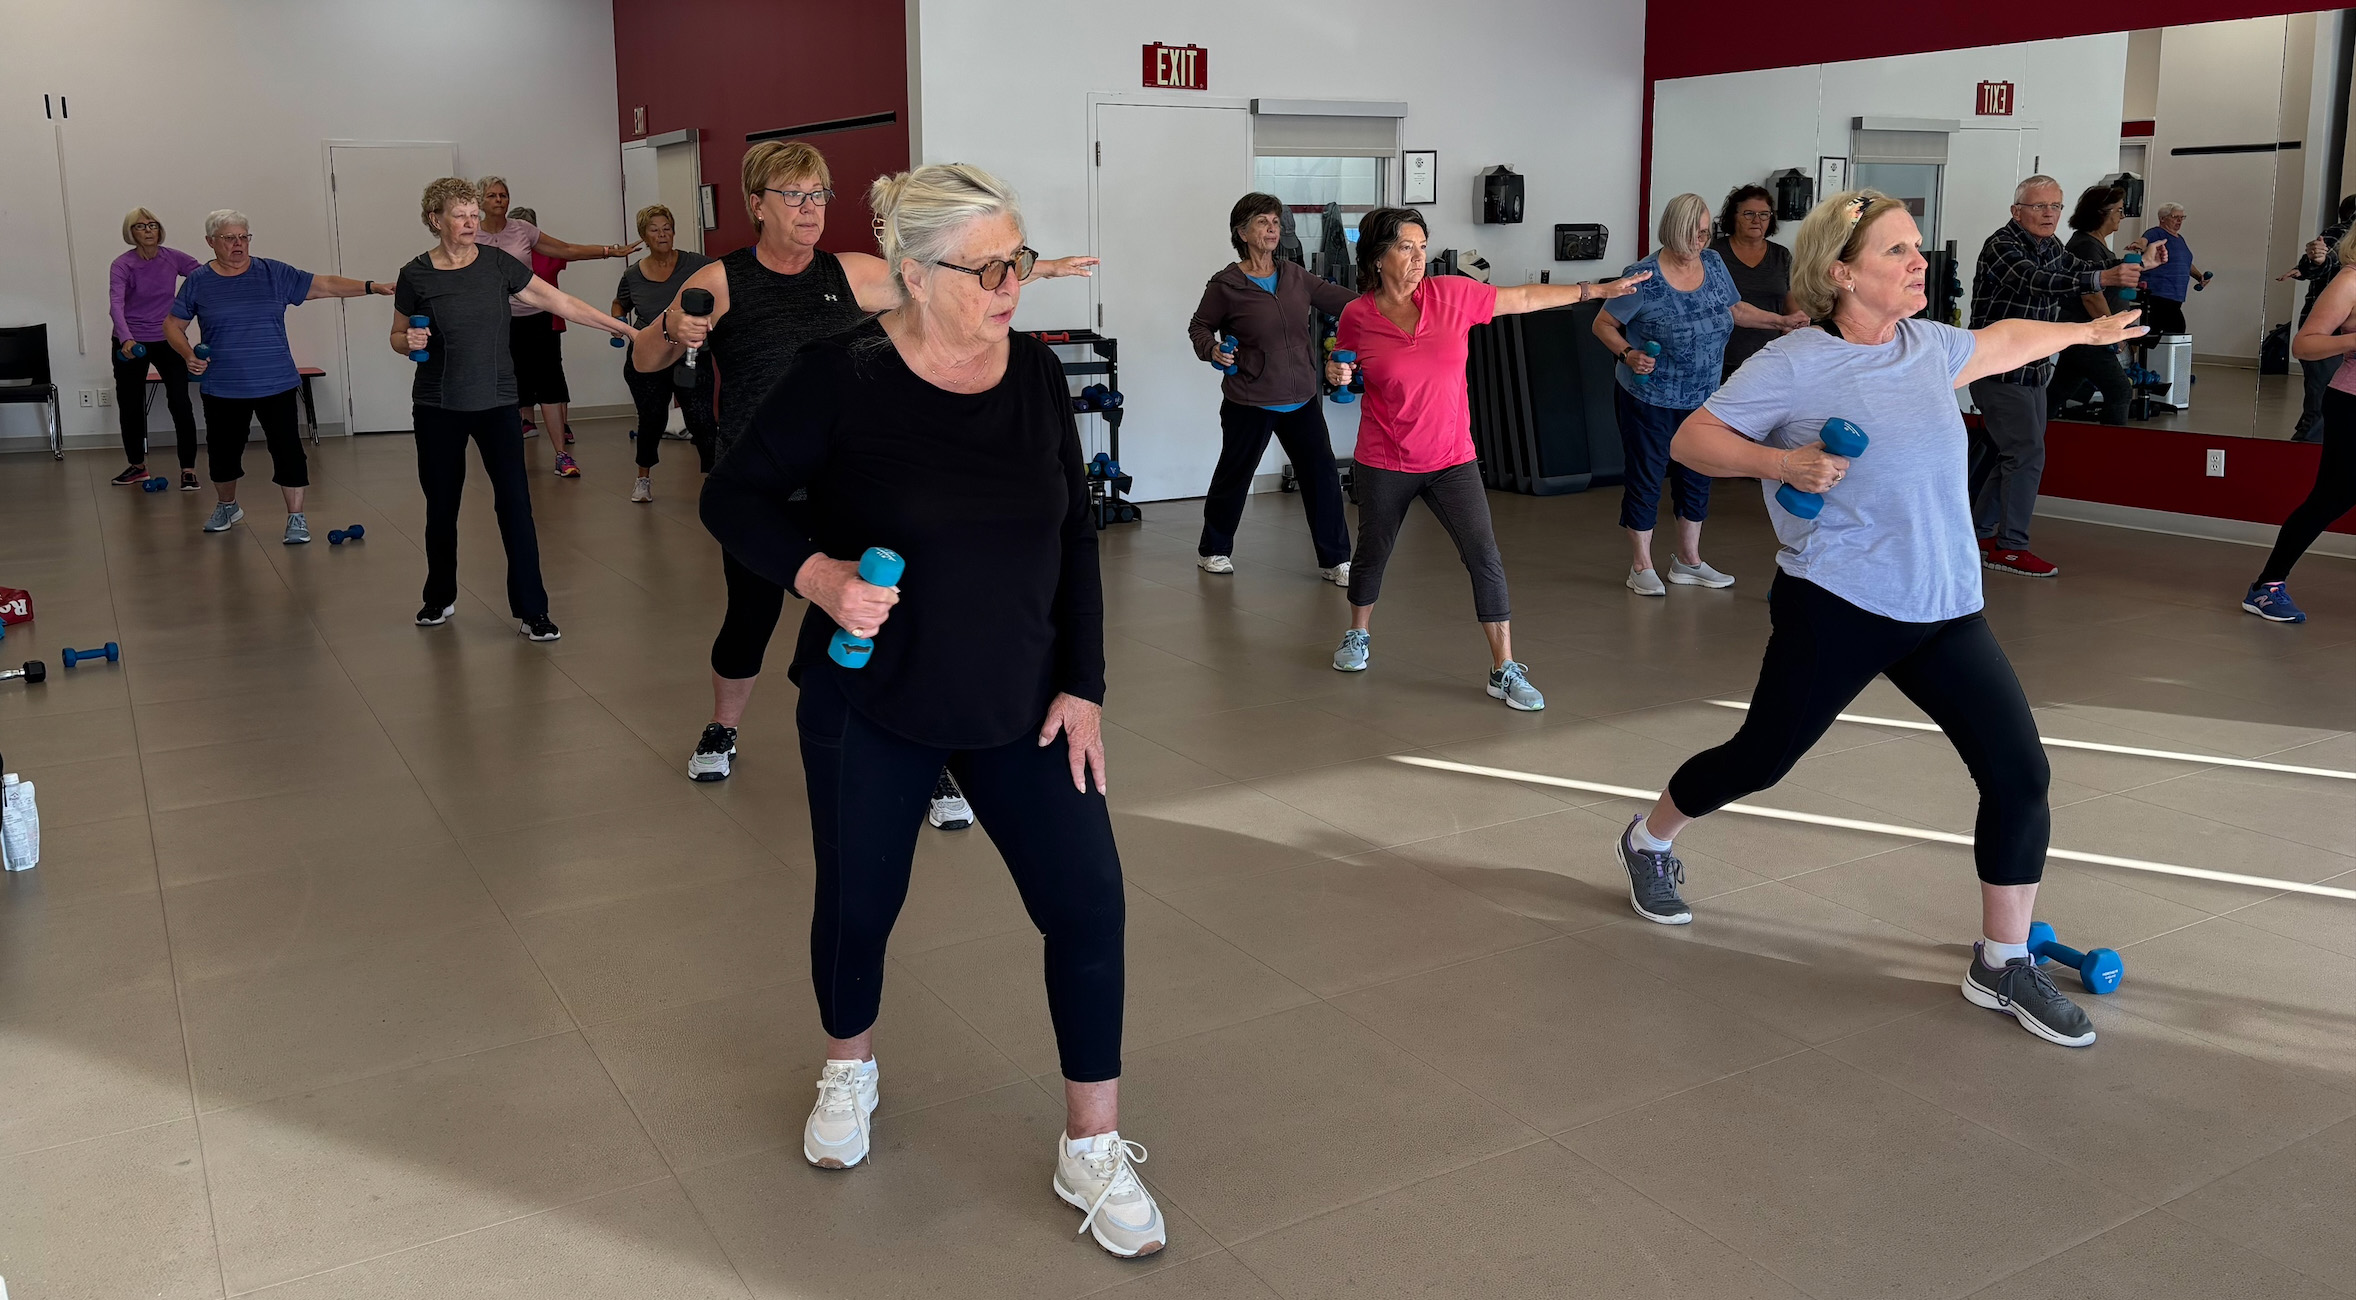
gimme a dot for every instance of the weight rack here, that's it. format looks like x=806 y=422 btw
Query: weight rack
x=1102 y=357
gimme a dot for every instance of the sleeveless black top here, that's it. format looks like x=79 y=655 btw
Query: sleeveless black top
x=770 y=317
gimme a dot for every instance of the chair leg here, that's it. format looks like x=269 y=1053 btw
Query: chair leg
x=56 y=429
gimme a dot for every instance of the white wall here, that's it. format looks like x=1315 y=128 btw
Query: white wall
x=189 y=105
x=1554 y=87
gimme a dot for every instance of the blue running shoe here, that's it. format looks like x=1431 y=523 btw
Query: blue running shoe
x=2272 y=601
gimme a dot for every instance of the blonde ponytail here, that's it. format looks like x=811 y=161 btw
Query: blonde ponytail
x=921 y=214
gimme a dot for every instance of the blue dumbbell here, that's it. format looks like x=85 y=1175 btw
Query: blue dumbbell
x=1651 y=348
x=139 y=349
x=2099 y=970
x=1841 y=438
x=1100 y=398
x=203 y=351
x=338 y=536
x=1227 y=345
x=109 y=652
x=420 y=323
x=2128 y=294
x=1346 y=395
x=617 y=340
x=877 y=568
x=154 y=483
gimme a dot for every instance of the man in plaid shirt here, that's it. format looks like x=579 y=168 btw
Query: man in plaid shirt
x=2321 y=263
x=2025 y=273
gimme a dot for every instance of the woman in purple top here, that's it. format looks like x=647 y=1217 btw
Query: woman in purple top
x=139 y=287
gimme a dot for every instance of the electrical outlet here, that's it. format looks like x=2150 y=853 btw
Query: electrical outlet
x=2216 y=462
x=106 y=397
x=89 y=398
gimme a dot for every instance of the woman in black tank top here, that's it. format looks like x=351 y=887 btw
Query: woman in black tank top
x=769 y=300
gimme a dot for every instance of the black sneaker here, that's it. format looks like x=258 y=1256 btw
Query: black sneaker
x=537 y=628
x=131 y=477
x=950 y=811
x=435 y=615
x=1652 y=881
x=712 y=753
x=2021 y=990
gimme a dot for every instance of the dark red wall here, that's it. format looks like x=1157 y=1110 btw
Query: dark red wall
x=2145 y=468
x=729 y=67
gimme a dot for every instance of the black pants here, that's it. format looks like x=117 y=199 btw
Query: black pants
x=868 y=792
x=131 y=400
x=441 y=470
x=652 y=391
x=1824 y=651
x=2081 y=366
x=2164 y=315
x=2314 y=380
x=229 y=421
x=1457 y=499
x=1244 y=433
x=2333 y=495
x=538 y=351
x=754 y=606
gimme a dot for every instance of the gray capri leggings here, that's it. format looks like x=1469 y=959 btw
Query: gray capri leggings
x=1458 y=501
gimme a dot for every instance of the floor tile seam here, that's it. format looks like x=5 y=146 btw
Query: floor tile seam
x=976 y=1030
x=88 y=1138
x=1451 y=964
x=1375 y=1194
x=2229 y=827
x=1378 y=847
x=1023 y=1080
x=666 y=890
x=364 y=948
x=452 y=1236
x=385 y=1072
x=2169 y=1209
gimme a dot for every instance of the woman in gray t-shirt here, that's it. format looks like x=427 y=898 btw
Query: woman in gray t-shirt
x=1883 y=578
x=646 y=289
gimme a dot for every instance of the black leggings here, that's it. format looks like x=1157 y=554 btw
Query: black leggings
x=1243 y=439
x=1457 y=499
x=754 y=606
x=2333 y=495
x=1824 y=651
x=441 y=471
x=652 y=391
x=131 y=400
x=229 y=422
x=868 y=792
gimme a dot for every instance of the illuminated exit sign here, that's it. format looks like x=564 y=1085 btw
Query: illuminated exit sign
x=1995 y=99
x=1177 y=67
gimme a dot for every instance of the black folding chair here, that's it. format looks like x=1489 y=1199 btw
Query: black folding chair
x=24 y=375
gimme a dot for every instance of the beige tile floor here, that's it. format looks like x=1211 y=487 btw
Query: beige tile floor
x=367 y=960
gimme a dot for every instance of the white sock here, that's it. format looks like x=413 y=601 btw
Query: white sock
x=1643 y=839
x=1076 y=1146
x=1995 y=954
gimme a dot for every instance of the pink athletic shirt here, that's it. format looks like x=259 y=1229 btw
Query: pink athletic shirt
x=514 y=239
x=1417 y=417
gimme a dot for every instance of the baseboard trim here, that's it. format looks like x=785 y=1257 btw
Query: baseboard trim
x=2242 y=531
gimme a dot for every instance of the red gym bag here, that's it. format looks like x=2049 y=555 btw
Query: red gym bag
x=15 y=606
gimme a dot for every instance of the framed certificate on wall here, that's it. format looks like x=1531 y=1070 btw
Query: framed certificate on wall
x=1419 y=171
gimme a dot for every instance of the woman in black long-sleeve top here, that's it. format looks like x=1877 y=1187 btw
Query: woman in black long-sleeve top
x=936 y=432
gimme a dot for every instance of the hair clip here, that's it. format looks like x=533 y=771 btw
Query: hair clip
x=1856 y=209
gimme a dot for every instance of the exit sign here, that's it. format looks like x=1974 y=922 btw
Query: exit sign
x=1995 y=99
x=1177 y=67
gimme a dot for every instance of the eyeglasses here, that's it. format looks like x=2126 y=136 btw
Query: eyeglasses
x=235 y=239
x=796 y=198
x=993 y=272
x=2054 y=208
x=146 y=225
x=1761 y=214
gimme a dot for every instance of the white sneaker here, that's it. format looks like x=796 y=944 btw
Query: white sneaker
x=644 y=491
x=1095 y=1175
x=949 y=811
x=1338 y=575
x=836 y=1136
x=1214 y=564
x=1697 y=575
x=1645 y=582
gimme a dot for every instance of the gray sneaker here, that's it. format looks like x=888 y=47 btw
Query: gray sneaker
x=1645 y=582
x=1351 y=655
x=1652 y=881
x=1697 y=575
x=298 y=531
x=1512 y=685
x=2021 y=990
x=225 y=517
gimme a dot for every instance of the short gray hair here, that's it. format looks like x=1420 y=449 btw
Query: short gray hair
x=483 y=186
x=2167 y=210
x=2020 y=192
x=920 y=214
x=220 y=217
x=1678 y=220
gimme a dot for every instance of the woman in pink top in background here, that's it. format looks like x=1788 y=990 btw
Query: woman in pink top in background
x=1410 y=335
x=139 y=288
x=536 y=349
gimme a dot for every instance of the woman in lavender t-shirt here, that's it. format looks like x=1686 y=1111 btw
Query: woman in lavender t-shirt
x=140 y=286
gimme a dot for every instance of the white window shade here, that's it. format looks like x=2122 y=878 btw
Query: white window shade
x=1872 y=146
x=1322 y=135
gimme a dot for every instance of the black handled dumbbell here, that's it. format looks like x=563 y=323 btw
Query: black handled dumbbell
x=33 y=671
x=695 y=302
x=338 y=536
x=2099 y=969
x=110 y=652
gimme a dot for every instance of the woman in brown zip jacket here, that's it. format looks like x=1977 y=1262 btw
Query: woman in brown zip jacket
x=1264 y=304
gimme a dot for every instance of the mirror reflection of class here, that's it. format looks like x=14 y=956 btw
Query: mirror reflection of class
x=2225 y=142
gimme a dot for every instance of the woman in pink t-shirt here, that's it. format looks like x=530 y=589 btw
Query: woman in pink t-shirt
x=533 y=343
x=1415 y=429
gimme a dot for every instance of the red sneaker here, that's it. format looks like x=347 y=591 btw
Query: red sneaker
x=2024 y=563
x=1987 y=544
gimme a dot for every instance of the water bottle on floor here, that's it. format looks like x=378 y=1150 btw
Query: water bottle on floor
x=20 y=825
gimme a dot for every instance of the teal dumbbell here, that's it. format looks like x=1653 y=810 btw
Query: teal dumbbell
x=420 y=323
x=110 y=652
x=1651 y=348
x=1841 y=438
x=1357 y=385
x=877 y=568
x=1227 y=345
x=139 y=349
x=2128 y=294
x=2099 y=970
x=338 y=536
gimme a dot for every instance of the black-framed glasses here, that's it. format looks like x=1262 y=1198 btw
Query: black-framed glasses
x=146 y=225
x=796 y=198
x=993 y=272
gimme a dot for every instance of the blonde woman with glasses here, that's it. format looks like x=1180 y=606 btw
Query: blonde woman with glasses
x=140 y=286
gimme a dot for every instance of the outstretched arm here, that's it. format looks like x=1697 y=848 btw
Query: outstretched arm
x=2010 y=344
x=550 y=246
x=1516 y=299
x=547 y=297
x=336 y=286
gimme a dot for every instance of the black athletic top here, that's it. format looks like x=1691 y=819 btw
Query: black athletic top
x=983 y=493
x=770 y=317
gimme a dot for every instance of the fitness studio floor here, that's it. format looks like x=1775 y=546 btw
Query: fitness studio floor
x=372 y=961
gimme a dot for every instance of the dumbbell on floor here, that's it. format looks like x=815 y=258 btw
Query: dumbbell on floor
x=154 y=483
x=1842 y=439
x=110 y=652
x=33 y=671
x=338 y=536
x=2099 y=969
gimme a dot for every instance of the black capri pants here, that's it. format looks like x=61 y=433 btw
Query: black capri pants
x=229 y=420
x=1824 y=651
x=2333 y=495
x=868 y=793
x=1457 y=499
x=754 y=606
x=538 y=351
x=651 y=392
x=131 y=399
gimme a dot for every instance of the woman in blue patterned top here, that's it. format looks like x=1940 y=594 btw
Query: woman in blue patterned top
x=1688 y=307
